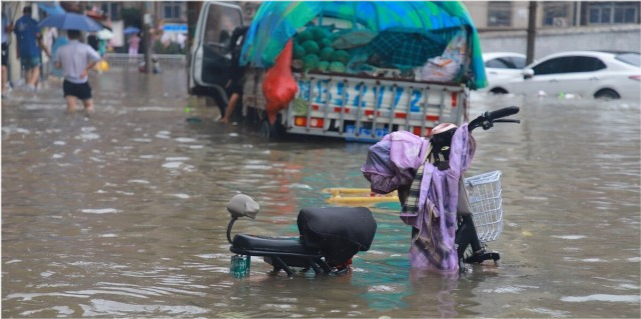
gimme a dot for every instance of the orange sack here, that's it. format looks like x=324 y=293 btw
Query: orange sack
x=279 y=86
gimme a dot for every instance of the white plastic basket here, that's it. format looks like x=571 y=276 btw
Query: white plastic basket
x=484 y=194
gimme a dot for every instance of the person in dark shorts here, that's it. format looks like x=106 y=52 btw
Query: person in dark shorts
x=6 y=30
x=237 y=78
x=76 y=59
x=29 y=47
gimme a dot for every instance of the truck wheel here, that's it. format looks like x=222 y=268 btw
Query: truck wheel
x=272 y=132
x=268 y=131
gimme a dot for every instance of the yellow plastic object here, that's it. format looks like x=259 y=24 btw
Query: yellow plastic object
x=103 y=66
x=358 y=195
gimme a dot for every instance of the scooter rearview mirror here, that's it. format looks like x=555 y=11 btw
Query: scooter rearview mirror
x=242 y=205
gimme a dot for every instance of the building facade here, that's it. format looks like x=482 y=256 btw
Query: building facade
x=513 y=15
x=169 y=11
x=487 y=14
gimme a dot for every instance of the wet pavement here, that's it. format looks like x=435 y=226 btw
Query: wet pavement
x=123 y=213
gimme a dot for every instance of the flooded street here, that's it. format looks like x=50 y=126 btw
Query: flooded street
x=123 y=214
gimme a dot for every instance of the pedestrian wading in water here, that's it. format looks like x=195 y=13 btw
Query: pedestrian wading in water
x=76 y=59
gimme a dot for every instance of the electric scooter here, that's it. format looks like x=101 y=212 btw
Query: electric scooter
x=329 y=238
x=480 y=212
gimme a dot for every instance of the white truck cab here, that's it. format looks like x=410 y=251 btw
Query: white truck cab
x=210 y=58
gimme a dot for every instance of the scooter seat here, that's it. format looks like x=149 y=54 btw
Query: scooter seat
x=271 y=245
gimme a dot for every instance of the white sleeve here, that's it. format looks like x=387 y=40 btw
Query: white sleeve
x=93 y=55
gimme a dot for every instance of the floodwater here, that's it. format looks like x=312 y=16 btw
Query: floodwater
x=123 y=214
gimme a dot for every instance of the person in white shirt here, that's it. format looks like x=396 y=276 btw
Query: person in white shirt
x=76 y=59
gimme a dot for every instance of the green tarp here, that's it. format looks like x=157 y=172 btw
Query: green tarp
x=276 y=22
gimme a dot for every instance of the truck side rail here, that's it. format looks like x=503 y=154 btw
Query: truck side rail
x=361 y=108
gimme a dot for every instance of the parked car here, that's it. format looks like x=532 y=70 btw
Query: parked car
x=500 y=66
x=598 y=74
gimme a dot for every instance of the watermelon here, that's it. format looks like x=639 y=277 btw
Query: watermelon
x=304 y=36
x=310 y=47
x=323 y=66
x=299 y=52
x=325 y=43
x=326 y=54
x=340 y=56
x=337 y=67
x=319 y=33
x=310 y=62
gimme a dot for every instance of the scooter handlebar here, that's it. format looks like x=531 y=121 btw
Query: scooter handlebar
x=487 y=119
x=510 y=110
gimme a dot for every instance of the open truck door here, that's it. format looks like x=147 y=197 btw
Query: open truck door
x=210 y=57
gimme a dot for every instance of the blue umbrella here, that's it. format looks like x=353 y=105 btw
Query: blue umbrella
x=71 y=21
x=131 y=29
x=51 y=7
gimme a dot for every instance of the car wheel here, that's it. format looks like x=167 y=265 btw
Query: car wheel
x=607 y=94
x=498 y=91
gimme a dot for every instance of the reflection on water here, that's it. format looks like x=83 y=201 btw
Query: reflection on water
x=122 y=214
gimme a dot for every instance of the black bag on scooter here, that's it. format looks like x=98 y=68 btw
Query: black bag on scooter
x=329 y=237
x=338 y=232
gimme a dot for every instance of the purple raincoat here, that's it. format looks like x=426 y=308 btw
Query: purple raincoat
x=434 y=247
x=393 y=161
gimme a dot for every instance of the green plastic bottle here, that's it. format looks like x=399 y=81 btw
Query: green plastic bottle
x=240 y=265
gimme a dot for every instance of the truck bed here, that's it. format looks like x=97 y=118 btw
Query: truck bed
x=362 y=108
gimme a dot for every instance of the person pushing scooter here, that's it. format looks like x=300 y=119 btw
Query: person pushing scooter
x=428 y=174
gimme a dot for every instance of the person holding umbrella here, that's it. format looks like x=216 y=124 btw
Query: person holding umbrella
x=134 y=42
x=104 y=36
x=76 y=59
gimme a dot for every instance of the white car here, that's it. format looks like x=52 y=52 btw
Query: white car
x=597 y=74
x=500 y=66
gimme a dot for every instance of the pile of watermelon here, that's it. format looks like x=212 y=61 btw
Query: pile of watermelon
x=313 y=51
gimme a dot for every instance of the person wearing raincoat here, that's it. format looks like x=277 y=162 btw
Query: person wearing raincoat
x=430 y=198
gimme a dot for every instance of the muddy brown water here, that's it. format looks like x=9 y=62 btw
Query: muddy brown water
x=122 y=214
